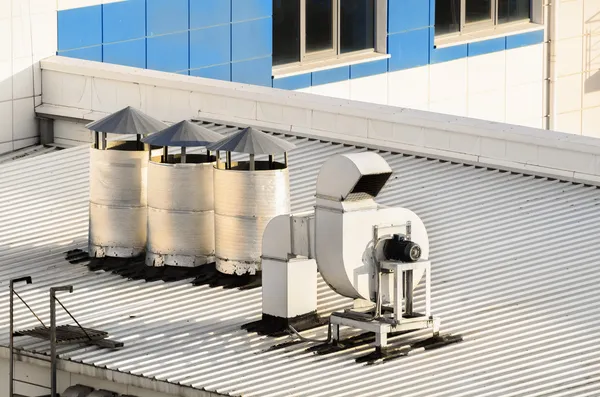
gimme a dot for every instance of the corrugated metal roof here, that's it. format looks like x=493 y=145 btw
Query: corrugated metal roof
x=515 y=272
x=27 y=152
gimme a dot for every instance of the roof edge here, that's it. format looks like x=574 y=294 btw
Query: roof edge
x=528 y=150
x=118 y=377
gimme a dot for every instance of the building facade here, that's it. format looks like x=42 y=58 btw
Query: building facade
x=517 y=61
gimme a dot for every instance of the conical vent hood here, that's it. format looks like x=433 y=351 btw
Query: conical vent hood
x=127 y=121
x=252 y=141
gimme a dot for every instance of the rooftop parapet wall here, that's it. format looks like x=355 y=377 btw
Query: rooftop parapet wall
x=85 y=90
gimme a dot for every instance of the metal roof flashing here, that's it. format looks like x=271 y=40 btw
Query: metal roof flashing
x=494 y=259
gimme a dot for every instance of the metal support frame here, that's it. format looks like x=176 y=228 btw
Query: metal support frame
x=183 y=155
x=53 y=292
x=11 y=360
x=404 y=318
x=67 y=334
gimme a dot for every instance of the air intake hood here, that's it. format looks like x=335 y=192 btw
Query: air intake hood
x=353 y=177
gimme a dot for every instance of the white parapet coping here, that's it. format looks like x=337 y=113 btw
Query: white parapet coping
x=86 y=90
x=35 y=368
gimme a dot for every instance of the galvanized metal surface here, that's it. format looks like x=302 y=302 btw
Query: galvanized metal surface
x=245 y=201
x=118 y=199
x=181 y=222
x=27 y=152
x=183 y=134
x=252 y=141
x=128 y=120
x=516 y=272
x=65 y=334
x=346 y=221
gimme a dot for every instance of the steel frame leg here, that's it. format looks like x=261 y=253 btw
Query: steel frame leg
x=53 y=366
x=381 y=340
x=11 y=360
x=335 y=333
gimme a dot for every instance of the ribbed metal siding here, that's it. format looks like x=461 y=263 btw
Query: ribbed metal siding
x=515 y=271
x=245 y=202
x=118 y=202
x=181 y=216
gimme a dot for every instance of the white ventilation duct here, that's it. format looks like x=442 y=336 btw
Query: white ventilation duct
x=246 y=200
x=346 y=214
x=118 y=175
x=181 y=213
x=340 y=236
x=118 y=200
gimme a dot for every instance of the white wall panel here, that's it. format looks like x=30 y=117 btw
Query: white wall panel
x=22 y=143
x=27 y=34
x=409 y=88
x=6 y=121
x=22 y=78
x=21 y=36
x=5 y=81
x=5 y=37
x=571 y=15
x=591 y=122
x=76 y=92
x=524 y=103
x=569 y=56
x=447 y=80
x=577 y=55
x=44 y=33
x=372 y=89
x=5 y=57
x=456 y=106
x=340 y=89
x=5 y=9
x=524 y=65
x=71 y=133
x=568 y=93
x=487 y=72
x=591 y=89
x=567 y=122
x=24 y=122
x=537 y=122
x=42 y=6
x=487 y=105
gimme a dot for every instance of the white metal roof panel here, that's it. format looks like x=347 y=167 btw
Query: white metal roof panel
x=27 y=152
x=515 y=272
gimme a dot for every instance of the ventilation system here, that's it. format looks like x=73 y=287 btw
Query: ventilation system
x=248 y=194
x=376 y=255
x=181 y=199
x=118 y=200
x=118 y=194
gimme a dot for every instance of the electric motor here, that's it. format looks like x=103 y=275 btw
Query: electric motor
x=400 y=249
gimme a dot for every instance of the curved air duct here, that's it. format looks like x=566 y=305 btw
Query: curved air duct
x=345 y=216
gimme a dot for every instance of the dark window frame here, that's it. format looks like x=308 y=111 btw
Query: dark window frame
x=306 y=57
x=492 y=23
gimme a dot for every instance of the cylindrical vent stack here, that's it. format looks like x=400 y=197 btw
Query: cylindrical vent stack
x=181 y=213
x=118 y=201
x=245 y=202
